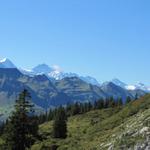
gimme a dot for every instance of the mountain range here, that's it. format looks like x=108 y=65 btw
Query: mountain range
x=56 y=73
x=50 y=87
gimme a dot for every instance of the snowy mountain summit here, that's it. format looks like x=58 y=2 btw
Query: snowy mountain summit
x=56 y=73
x=6 y=63
x=118 y=82
x=131 y=87
x=140 y=86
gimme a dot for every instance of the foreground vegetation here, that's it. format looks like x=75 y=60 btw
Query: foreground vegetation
x=115 y=127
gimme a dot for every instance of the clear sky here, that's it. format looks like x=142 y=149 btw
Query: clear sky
x=101 y=38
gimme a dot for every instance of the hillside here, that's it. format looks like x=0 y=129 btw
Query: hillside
x=113 y=129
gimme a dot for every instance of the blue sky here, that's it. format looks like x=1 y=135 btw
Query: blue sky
x=101 y=38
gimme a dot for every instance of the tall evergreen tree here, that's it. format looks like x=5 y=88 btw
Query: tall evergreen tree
x=22 y=127
x=89 y=106
x=111 y=102
x=128 y=100
x=60 y=124
x=50 y=115
x=75 y=109
x=2 y=125
x=100 y=103
x=95 y=105
x=120 y=102
x=136 y=96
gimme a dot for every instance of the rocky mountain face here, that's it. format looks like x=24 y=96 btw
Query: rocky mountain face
x=43 y=92
x=79 y=90
x=116 y=91
x=46 y=93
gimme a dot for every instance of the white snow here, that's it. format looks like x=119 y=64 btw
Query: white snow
x=130 y=87
x=7 y=63
x=27 y=70
x=3 y=60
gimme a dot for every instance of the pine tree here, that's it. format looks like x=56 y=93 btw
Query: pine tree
x=89 y=106
x=2 y=125
x=60 y=124
x=22 y=127
x=106 y=103
x=111 y=102
x=120 y=102
x=81 y=108
x=50 y=115
x=128 y=100
x=95 y=105
x=100 y=104
x=136 y=96
x=76 y=109
x=68 y=110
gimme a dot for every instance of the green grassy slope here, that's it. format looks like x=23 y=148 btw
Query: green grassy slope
x=102 y=129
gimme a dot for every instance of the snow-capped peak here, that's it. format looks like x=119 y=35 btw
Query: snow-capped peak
x=130 y=87
x=28 y=70
x=137 y=86
x=57 y=73
x=3 y=60
x=7 y=63
x=118 y=82
x=142 y=86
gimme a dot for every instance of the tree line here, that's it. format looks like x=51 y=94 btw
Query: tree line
x=81 y=108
